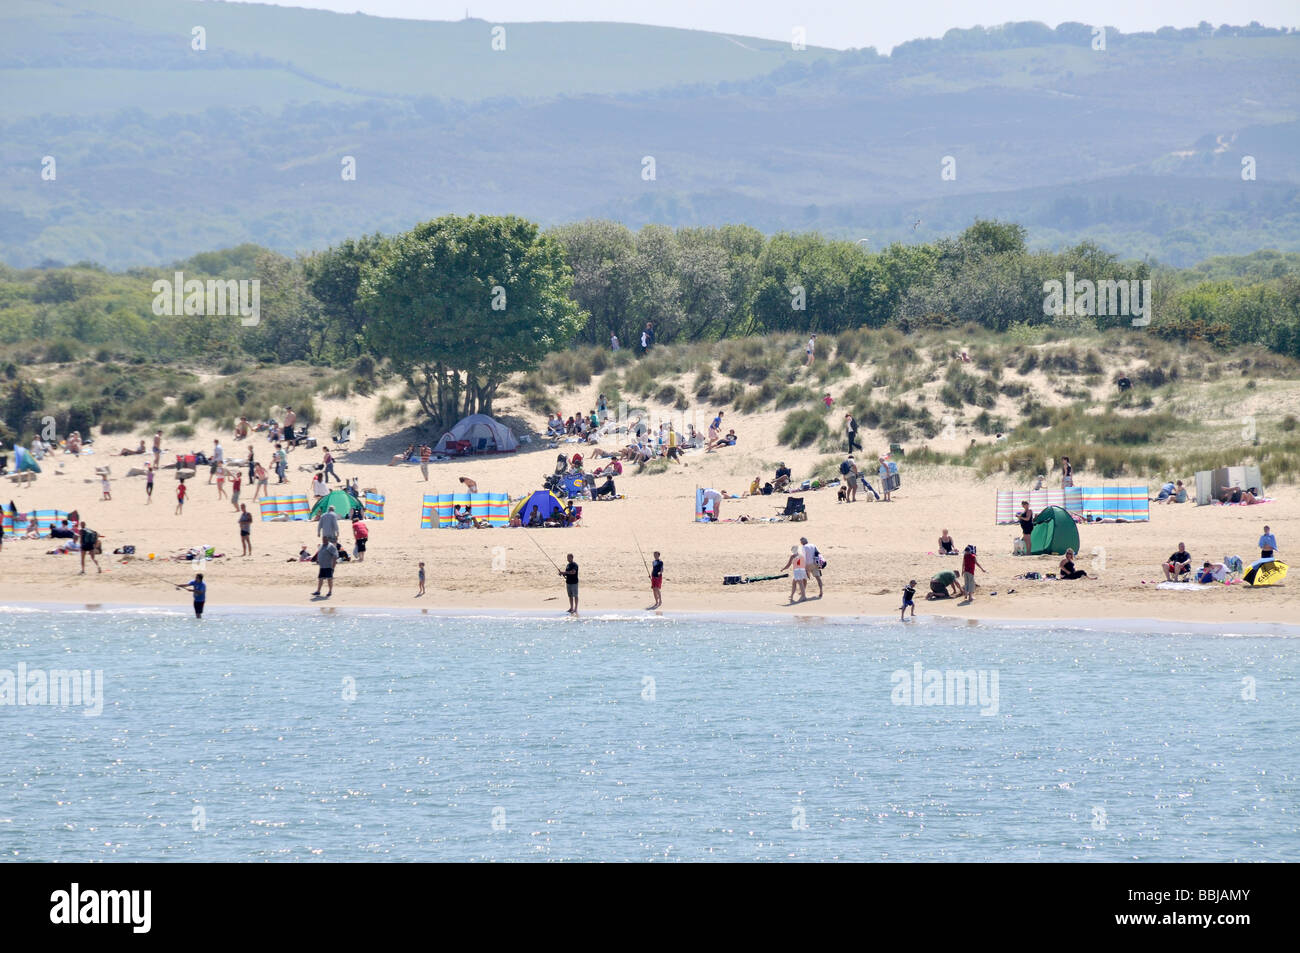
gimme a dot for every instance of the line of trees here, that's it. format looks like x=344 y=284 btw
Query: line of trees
x=457 y=304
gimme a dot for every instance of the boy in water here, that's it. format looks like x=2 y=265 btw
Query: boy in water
x=908 y=592
x=200 y=590
x=421 y=592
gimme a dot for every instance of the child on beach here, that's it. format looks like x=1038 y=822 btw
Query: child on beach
x=908 y=592
x=180 y=498
x=221 y=481
x=107 y=493
x=657 y=580
x=148 y=484
x=421 y=592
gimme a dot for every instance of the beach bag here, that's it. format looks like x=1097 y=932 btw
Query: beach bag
x=821 y=561
x=1018 y=546
x=844 y=468
x=731 y=580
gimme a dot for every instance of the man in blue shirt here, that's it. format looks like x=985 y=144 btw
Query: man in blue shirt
x=1267 y=545
x=200 y=590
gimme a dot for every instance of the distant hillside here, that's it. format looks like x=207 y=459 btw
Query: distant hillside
x=163 y=151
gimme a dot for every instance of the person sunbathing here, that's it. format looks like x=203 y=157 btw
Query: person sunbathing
x=1235 y=494
x=946 y=545
x=728 y=441
x=605 y=489
x=402 y=457
x=126 y=452
x=615 y=468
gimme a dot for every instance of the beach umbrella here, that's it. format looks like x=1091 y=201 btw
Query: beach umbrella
x=1264 y=572
x=23 y=460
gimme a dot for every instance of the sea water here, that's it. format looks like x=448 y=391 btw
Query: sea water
x=271 y=735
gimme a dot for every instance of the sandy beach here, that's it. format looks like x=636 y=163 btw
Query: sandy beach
x=872 y=548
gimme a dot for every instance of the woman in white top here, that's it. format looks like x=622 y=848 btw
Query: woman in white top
x=799 y=577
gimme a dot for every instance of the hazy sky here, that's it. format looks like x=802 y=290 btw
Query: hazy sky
x=842 y=24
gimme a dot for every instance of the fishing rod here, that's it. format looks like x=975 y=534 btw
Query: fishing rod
x=542 y=551
x=642 y=554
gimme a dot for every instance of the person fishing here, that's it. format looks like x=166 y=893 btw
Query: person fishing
x=570 y=574
x=657 y=580
x=200 y=590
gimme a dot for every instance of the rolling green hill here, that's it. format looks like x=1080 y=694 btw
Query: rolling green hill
x=162 y=150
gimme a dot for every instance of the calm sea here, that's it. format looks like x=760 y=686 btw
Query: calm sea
x=299 y=736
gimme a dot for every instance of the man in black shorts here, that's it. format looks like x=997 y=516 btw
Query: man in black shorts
x=245 y=529
x=570 y=574
x=326 y=558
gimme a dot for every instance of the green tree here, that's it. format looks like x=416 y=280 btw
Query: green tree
x=458 y=303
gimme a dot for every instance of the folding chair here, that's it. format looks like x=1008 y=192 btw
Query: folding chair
x=793 y=507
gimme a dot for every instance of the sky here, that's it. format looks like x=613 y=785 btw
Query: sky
x=840 y=25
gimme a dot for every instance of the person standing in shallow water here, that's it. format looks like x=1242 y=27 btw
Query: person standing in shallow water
x=200 y=590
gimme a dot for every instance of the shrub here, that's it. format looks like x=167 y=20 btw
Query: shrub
x=703 y=385
x=172 y=413
x=390 y=409
x=182 y=430
x=1288 y=423
x=1027 y=363
x=802 y=428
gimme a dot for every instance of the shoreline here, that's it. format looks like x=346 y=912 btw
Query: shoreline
x=1137 y=625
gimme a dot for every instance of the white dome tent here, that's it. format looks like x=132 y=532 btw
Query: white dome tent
x=481 y=433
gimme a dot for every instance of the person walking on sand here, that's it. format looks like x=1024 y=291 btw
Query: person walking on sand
x=328 y=527
x=968 y=564
x=329 y=467
x=1267 y=544
x=200 y=590
x=657 y=580
x=851 y=433
x=1067 y=472
x=813 y=559
x=421 y=592
x=236 y=481
x=245 y=530
x=327 y=558
x=811 y=350
x=281 y=463
x=909 y=593
x=91 y=546
x=180 y=498
x=148 y=484
x=360 y=537
x=797 y=563
x=221 y=481
x=570 y=574
x=157 y=449
x=425 y=453
x=218 y=458
x=261 y=476
x=106 y=490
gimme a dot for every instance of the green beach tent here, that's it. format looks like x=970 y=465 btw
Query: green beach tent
x=1054 y=532
x=342 y=502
